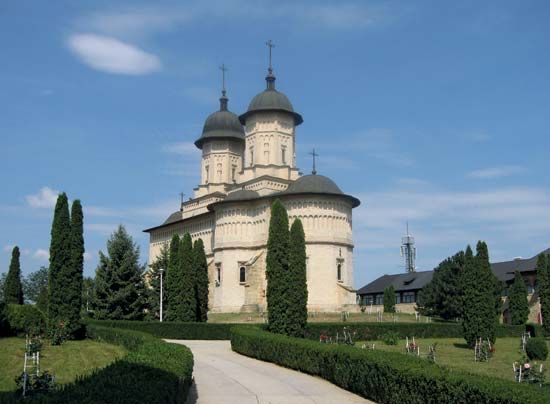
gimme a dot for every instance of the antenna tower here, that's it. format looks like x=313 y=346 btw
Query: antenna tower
x=408 y=251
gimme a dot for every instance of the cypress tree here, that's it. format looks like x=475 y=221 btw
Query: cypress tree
x=479 y=317
x=200 y=269
x=119 y=290
x=13 y=288
x=389 y=299
x=297 y=311
x=543 y=278
x=277 y=262
x=61 y=262
x=153 y=280
x=173 y=279
x=73 y=288
x=187 y=297
x=518 y=304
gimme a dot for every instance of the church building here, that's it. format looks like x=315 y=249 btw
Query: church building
x=248 y=161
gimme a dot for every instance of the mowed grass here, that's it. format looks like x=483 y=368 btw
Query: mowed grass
x=66 y=362
x=453 y=353
x=314 y=318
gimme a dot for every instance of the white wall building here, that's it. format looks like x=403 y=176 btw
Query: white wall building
x=248 y=161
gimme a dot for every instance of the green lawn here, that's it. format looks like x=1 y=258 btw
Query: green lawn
x=313 y=317
x=66 y=362
x=454 y=353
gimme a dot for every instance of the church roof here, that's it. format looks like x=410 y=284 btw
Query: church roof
x=317 y=184
x=222 y=124
x=271 y=100
x=241 y=195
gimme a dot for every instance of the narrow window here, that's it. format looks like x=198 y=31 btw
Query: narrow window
x=283 y=154
x=242 y=275
x=339 y=272
x=233 y=171
x=219 y=172
x=218 y=273
x=251 y=156
x=266 y=153
x=206 y=169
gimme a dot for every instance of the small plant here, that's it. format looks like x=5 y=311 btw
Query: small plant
x=363 y=308
x=390 y=338
x=536 y=348
x=431 y=352
x=58 y=334
x=32 y=384
x=526 y=372
x=483 y=350
x=34 y=344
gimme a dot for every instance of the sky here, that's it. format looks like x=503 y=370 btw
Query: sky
x=431 y=112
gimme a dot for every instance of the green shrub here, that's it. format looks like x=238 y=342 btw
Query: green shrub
x=172 y=329
x=536 y=348
x=535 y=330
x=390 y=338
x=384 y=377
x=4 y=325
x=23 y=318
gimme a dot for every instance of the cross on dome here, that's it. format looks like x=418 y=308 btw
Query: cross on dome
x=313 y=155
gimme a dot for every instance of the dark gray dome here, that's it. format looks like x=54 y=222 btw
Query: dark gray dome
x=271 y=100
x=318 y=184
x=242 y=195
x=222 y=124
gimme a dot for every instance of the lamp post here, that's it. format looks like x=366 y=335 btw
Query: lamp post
x=161 y=270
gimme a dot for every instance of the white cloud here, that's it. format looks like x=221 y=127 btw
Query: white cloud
x=496 y=172
x=112 y=56
x=104 y=229
x=45 y=198
x=41 y=255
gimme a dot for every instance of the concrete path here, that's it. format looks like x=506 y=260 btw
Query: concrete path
x=223 y=376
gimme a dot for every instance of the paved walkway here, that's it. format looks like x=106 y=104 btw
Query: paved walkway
x=223 y=376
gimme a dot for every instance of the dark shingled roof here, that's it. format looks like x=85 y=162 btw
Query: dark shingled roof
x=241 y=195
x=174 y=217
x=504 y=271
x=401 y=282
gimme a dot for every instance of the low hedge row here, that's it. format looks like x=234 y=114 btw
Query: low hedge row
x=385 y=377
x=172 y=330
x=153 y=371
x=375 y=331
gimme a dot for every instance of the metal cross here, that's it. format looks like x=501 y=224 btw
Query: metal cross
x=270 y=45
x=223 y=69
x=313 y=154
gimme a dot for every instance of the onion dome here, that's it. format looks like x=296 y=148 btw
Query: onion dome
x=317 y=184
x=222 y=124
x=270 y=100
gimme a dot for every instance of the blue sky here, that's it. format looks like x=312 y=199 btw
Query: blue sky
x=428 y=111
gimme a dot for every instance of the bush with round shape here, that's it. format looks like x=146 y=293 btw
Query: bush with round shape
x=536 y=348
x=24 y=318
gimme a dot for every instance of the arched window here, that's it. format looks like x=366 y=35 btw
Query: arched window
x=266 y=153
x=242 y=274
x=283 y=154
x=339 y=272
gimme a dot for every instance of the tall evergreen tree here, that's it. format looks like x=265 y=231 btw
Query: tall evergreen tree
x=297 y=310
x=187 y=297
x=61 y=264
x=277 y=263
x=153 y=281
x=35 y=287
x=442 y=296
x=543 y=279
x=73 y=286
x=173 y=280
x=518 y=304
x=200 y=269
x=88 y=293
x=119 y=291
x=3 y=277
x=13 y=288
x=389 y=299
x=479 y=317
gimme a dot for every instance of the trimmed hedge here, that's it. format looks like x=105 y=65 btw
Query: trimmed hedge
x=173 y=329
x=375 y=331
x=536 y=348
x=385 y=377
x=153 y=371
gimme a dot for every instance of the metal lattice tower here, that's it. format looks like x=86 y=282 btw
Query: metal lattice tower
x=408 y=251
